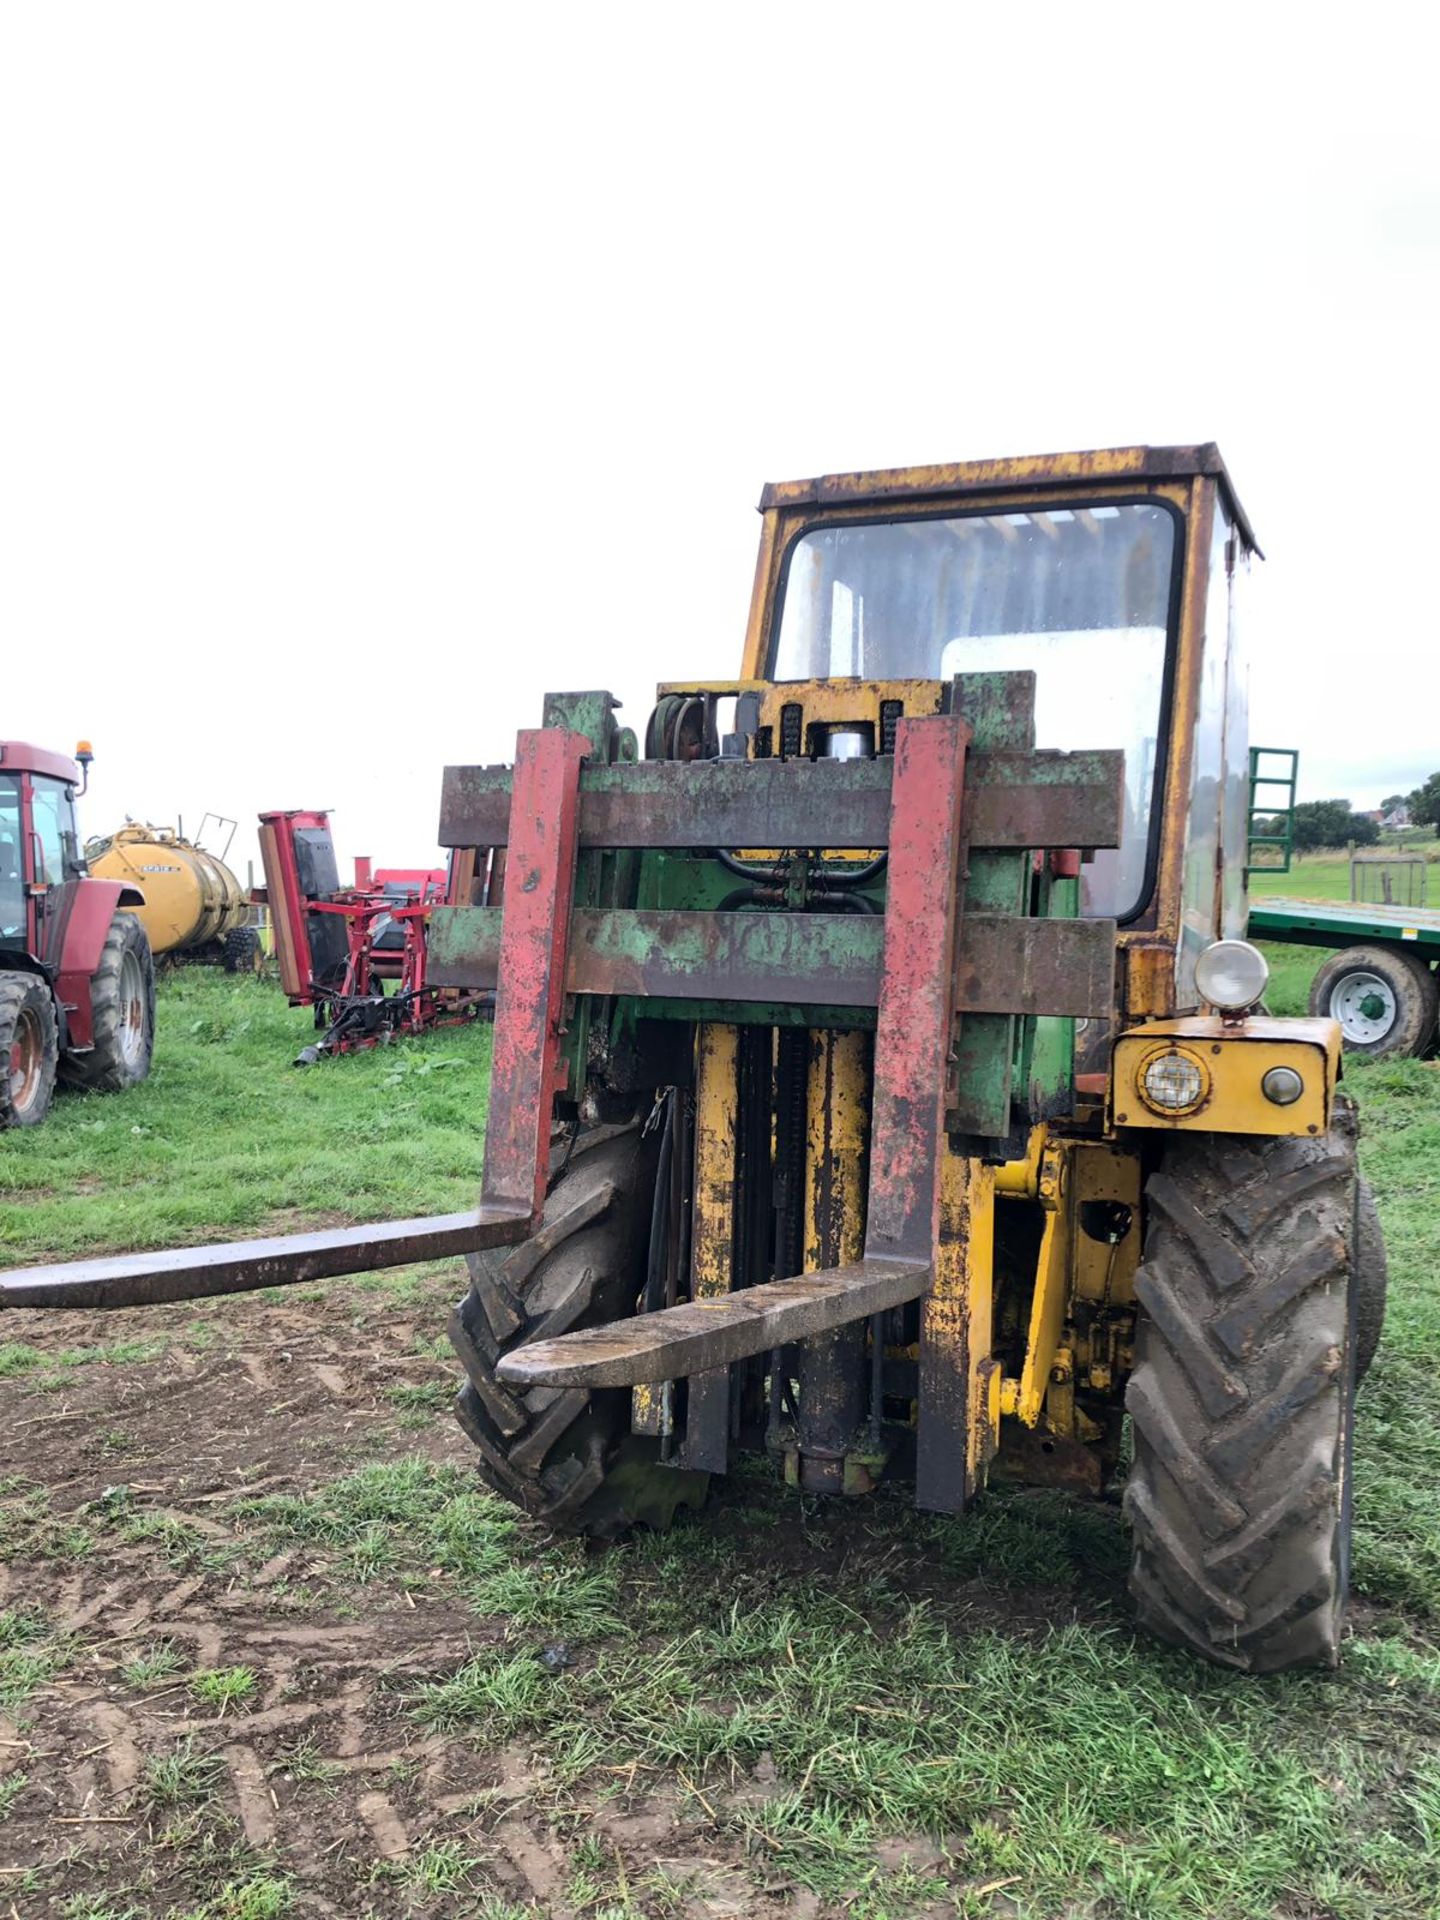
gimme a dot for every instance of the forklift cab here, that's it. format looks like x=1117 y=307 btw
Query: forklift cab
x=1114 y=577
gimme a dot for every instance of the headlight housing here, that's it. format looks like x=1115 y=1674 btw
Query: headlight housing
x=1173 y=1081
x=1231 y=975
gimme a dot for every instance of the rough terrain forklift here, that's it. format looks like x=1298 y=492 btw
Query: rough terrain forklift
x=879 y=1080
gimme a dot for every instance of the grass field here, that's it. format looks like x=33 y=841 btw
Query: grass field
x=1326 y=875
x=266 y=1649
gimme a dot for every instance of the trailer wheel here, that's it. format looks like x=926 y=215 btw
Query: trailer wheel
x=566 y=1454
x=1242 y=1397
x=1385 y=1000
x=29 y=1049
x=122 y=1000
x=241 y=952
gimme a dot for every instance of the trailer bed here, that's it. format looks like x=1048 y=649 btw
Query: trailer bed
x=1340 y=923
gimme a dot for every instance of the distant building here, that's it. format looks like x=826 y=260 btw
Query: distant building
x=1395 y=819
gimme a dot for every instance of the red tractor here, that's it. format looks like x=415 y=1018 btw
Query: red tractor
x=77 y=982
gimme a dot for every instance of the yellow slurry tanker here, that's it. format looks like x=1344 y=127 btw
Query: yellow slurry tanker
x=194 y=905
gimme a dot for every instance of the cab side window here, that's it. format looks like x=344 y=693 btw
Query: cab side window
x=56 y=851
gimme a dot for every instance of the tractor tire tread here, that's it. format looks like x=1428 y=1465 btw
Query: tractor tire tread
x=20 y=990
x=552 y=1451
x=103 y=1068
x=1241 y=1398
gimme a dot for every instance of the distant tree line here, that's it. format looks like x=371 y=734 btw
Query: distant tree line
x=1334 y=823
x=1424 y=804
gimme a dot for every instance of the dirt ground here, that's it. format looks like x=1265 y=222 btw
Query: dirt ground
x=320 y=1775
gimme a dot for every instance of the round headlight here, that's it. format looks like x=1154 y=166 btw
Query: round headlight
x=1283 y=1085
x=1232 y=974
x=1173 y=1081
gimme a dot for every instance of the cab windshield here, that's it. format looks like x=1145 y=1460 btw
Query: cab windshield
x=1081 y=594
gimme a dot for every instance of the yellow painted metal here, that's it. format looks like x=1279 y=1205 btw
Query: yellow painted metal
x=1101 y=1171
x=1020 y=1179
x=191 y=898
x=1236 y=1056
x=957 y=1368
x=717 y=1098
x=847 y=702
x=1063 y=1174
x=716 y=1108
x=1025 y=1397
x=837 y=1129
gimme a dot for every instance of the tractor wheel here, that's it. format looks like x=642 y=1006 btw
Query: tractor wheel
x=566 y=1454
x=29 y=1049
x=241 y=951
x=1242 y=1397
x=1384 y=999
x=1372 y=1280
x=122 y=999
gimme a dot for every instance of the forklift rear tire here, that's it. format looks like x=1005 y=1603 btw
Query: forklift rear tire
x=566 y=1454
x=122 y=1000
x=1241 y=1402
x=29 y=1049
x=1386 y=1001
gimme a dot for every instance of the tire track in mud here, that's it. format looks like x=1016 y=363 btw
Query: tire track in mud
x=322 y=1771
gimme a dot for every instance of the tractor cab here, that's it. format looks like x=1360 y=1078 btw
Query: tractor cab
x=39 y=843
x=77 y=991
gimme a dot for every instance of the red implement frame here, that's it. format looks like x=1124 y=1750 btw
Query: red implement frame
x=357 y=1010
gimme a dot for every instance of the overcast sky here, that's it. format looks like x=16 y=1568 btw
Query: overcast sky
x=369 y=370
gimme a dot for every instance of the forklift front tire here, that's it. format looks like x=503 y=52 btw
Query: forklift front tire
x=566 y=1454
x=1242 y=1397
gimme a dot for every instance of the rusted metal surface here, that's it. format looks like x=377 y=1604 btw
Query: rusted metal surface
x=955 y=1431
x=1015 y=800
x=1040 y=1459
x=244 y=1266
x=712 y=1333
x=530 y=1000
x=1107 y=465
x=1004 y=964
x=1019 y=966
x=834 y=1377
x=915 y=1039
x=1000 y=708
x=712 y=1238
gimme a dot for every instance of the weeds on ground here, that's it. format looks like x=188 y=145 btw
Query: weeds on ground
x=223 y=1687
x=182 y=1778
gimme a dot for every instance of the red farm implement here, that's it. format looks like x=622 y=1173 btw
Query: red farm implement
x=358 y=955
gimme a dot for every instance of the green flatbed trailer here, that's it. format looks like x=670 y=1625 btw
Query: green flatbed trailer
x=1381 y=983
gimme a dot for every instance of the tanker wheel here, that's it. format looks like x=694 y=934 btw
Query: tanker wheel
x=241 y=952
x=122 y=1000
x=1242 y=1397
x=1384 y=999
x=566 y=1454
x=29 y=1050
